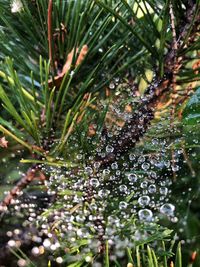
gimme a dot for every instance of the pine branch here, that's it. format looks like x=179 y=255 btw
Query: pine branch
x=174 y=82
x=57 y=80
x=49 y=20
x=137 y=126
x=32 y=174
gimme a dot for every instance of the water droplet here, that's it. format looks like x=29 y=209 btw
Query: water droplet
x=144 y=201
x=22 y=263
x=123 y=205
x=116 y=79
x=46 y=243
x=114 y=165
x=152 y=189
x=141 y=159
x=79 y=156
x=59 y=260
x=94 y=182
x=145 y=215
x=71 y=73
x=163 y=191
x=11 y=243
x=145 y=166
x=132 y=177
x=123 y=188
x=106 y=172
x=109 y=149
x=131 y=156
x=112 y=86
x=175 y=168
x=88 y=170
x=167 y=209
x=35 y=251
x=88 y=258
x=103 y=193
x=144 y=184
x=80 y=218
x=97 y=165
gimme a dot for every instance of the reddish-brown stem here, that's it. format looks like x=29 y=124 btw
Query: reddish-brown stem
x=174 y=72
x=50 y=36
x=136 y=127
x=31 y=174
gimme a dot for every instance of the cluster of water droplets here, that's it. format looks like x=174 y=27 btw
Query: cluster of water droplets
x=94 y=203
x=102 y=204
x=98 y=205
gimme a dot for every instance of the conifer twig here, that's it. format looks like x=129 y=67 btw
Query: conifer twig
x=174 y=73
x=58 y=79
x=32 y=173
x=49 y=21
x=135 y=128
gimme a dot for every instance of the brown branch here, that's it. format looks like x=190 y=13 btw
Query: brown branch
x=49 y=25
x=70 y=56
x=58 y=79
x=135 y=128
x=175 y=62
x=32 y=174
x=174 y=73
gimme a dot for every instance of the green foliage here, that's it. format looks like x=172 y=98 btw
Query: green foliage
x=191 y=111
x=130 y=43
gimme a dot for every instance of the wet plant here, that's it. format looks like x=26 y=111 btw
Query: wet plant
x=99 y=123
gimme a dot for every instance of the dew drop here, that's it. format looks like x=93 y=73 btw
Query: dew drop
x=112 y=86
x=145 y=215
x=94 y=182
x=59 y=260
x=144 y=184
x=163 y=191
x=123 y=205
x=131 y=157
x=35 y=251
x=46 y=243
x=167 y=209
x=145 y=166
x=132 y=177
x=123 y=188
x=144 y=201
x=109 y=149
x=152 y=189
x=22 y=263
x=88 y=170
x=114 y=165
